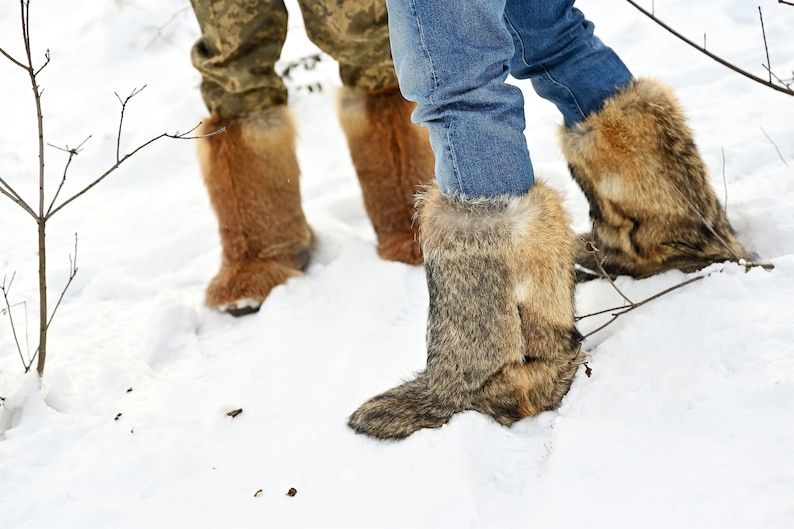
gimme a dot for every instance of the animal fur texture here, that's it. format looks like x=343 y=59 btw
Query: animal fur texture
x=501 y=337
x=251 y=174
x=392 y=157
x=651 y=203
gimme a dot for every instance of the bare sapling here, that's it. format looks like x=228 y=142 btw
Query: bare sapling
x=43 y=209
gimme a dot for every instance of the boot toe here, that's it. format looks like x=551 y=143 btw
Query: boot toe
x=399 y=412
x=241 y=288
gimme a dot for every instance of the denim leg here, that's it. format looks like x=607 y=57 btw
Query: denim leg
x=452 y=59
x=568 y=65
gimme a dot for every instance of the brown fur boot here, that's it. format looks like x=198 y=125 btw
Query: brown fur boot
x=392 y=157
x=651 y=203
x=500 y=334
x=251 y=175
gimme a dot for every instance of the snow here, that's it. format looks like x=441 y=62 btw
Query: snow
x=686 y=420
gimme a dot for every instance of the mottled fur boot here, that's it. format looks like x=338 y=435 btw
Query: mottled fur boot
x=500 y=333
x=651 y=203
x=392 y=156
x=251 y=174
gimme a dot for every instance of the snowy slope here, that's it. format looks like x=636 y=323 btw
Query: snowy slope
x=686 y=421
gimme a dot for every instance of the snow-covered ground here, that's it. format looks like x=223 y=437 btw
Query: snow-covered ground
x=686 y=421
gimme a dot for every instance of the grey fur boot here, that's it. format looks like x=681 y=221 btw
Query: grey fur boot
x=651 y=203
x=501 y=337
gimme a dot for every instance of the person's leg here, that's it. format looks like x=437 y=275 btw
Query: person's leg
x=453 y=63
x=651 y=202
x=556 y=48
x=628 y=146
x=498 y=250
x=240 y=42
x=251 y=171
x=392 y=156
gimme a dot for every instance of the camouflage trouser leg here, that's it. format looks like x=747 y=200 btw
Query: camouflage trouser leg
x=241 y=41
x=356 y=34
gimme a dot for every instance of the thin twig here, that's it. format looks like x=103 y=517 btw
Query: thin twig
x=10 y=58
x=747 y=266
x=634 y=306
x=745 y=73
x=176 y=136
x=46 y=62
x=72 y=273
x=6 y=289
x=134 y=93
x=784 y=82
x=780 y=154
x=72 y=153
x=785 y=2
x=766 y=46
x=590 y=247
x=17 y=200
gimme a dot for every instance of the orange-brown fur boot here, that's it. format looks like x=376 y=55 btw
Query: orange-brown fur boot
x=501 y=337
x=392 y=157
x=251 y=174
x=651 y=203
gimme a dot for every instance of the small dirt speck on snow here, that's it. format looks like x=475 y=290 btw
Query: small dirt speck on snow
x=292 y=492
x=234 y=413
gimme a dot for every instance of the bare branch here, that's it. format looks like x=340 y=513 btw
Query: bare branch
x=46 y=62
x=783 y=89
x=784 y=82
x=72 y=153
x=134 y=93
x=10 y=58
x=72 y=274
x=766 y=45
x=590 y=247
x=6 y=289
x=68 y=149
x=176 y=136
x=780 y=154
x=634 y=306
x=10 y=193
x=785 y=2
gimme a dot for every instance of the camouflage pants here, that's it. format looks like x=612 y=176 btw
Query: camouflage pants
x=242 y=40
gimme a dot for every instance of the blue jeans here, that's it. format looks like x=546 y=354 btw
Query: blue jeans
x=452 y=59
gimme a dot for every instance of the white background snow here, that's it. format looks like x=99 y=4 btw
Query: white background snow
x=686 y=421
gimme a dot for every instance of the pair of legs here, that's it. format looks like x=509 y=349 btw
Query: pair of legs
x=501 y=337
x=241 y=41
x=251 y=171
x=454 y=63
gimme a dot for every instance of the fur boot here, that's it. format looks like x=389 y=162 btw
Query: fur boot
x=500 y=334
x=251 y=174
x=651 y=203
x=392 y=156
